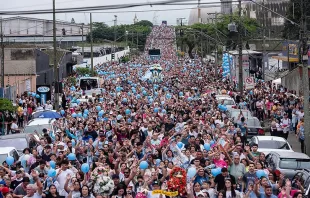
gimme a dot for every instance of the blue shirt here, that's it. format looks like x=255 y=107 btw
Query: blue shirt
x=201 y=179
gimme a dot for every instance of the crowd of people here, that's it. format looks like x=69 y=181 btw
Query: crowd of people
x=145 y=140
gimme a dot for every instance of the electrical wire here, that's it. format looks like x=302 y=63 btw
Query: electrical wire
x=108 y=7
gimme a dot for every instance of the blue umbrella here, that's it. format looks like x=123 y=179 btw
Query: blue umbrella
x=47 y=114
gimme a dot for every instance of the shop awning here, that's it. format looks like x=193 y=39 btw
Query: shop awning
x=284 y=58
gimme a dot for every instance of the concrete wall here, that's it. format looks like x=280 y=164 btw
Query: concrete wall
x=22 y=82
x=292 y=81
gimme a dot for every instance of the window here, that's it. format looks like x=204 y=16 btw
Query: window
x=15 y=155
x=286 y=163
x=271 y=144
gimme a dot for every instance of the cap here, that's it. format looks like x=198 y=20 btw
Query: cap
x=155 y=183
x=115 y=176
x=26 y=179
x=4 y=190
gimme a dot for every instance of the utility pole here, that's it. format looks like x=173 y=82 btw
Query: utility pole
x=115 y=24
x=2 y=56
x=240 y=52
x=56 y=66
x=201 y=48
x=137 y=44
x=199 y=12
x=91 y=44
x=83 y=39
x=265 y=59
x=305 y=76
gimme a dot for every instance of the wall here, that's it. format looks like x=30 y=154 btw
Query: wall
x=64 y=71
x=44 y=71
x=20 y=82
x=292 y=81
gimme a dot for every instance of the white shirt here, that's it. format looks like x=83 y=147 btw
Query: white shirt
x=14 y=126
x=35 y=195
x=62 y=177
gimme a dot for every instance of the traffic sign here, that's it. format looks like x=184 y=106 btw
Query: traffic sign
x=249 y=83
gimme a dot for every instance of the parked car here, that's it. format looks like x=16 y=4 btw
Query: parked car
x=254 y=127
x=234 y=114
x=18 y=141
x=288 y=163
x=38 y=124
x=8 y=151
x=266 y=144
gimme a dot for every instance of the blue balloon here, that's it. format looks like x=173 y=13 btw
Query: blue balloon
x=158 y=162
x=181 y=94
x=119 y=117
x=180 y=144
x=52 y=164
x=100 y=113
x=138 y=96
x=73 y=142
x=144 y=93
x=118 y=89
x=164 y=111
x=124 y=100
x=156 y=94
x=156 y=109
x=98 y=108
x=37 y=96
x=79 y=115
x=100 y=99
x=129 y=120
x=162 y=102
x=29 y=93
x=207 y=146
x=62 y=112
x=168 y=96
x=71 y=157
x=144 y=165
x=74 y=115
x=86 y=111
x=78 y=101
x=128 y=94
x=127 y=111
x=9 y=160
x=85 y=115
x=260 y=173
x=212 y=142
x=33 y=94
x=216 y=171
x=151 y=100
x=85 y=168
x=189 y=99
x=51 y=172
x=191 y=172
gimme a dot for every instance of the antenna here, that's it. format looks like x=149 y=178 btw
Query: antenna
x=155 y=16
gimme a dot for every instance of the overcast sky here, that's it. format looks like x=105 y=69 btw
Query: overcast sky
x=123 y=17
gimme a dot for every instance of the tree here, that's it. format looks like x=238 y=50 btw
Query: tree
x=145 y=23
x=6 y=105
x=291 y=31
x=82 y=71
x=216 y=33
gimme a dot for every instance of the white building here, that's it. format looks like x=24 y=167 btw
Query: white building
x=19 y=29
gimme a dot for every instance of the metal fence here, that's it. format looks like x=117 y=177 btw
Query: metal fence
x=8 y=93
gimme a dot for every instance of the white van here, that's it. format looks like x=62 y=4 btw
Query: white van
x=89 y=83
x=8 y=151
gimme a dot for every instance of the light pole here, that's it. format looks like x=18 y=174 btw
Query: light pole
x=56 y=67
x=126 y=33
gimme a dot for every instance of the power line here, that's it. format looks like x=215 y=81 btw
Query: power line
x=109 y=7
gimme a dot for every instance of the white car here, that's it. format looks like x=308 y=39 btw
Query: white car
x=39 y=124
x=266 y=144
x=229 y=102
x=8 y=151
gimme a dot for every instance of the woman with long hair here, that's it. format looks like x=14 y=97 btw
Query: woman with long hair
x=85 y=192
x=52 y=192
x=229 y=190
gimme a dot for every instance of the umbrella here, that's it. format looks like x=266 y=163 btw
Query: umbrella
x=47 y=114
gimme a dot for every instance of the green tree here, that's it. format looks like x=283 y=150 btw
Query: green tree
x=6 y=105
x=216 y=33
x=144 y=23
x=85 y=71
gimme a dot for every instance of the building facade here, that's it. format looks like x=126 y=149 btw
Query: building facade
x=33 y=30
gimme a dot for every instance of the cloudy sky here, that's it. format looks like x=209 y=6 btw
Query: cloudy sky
x=125 y=16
